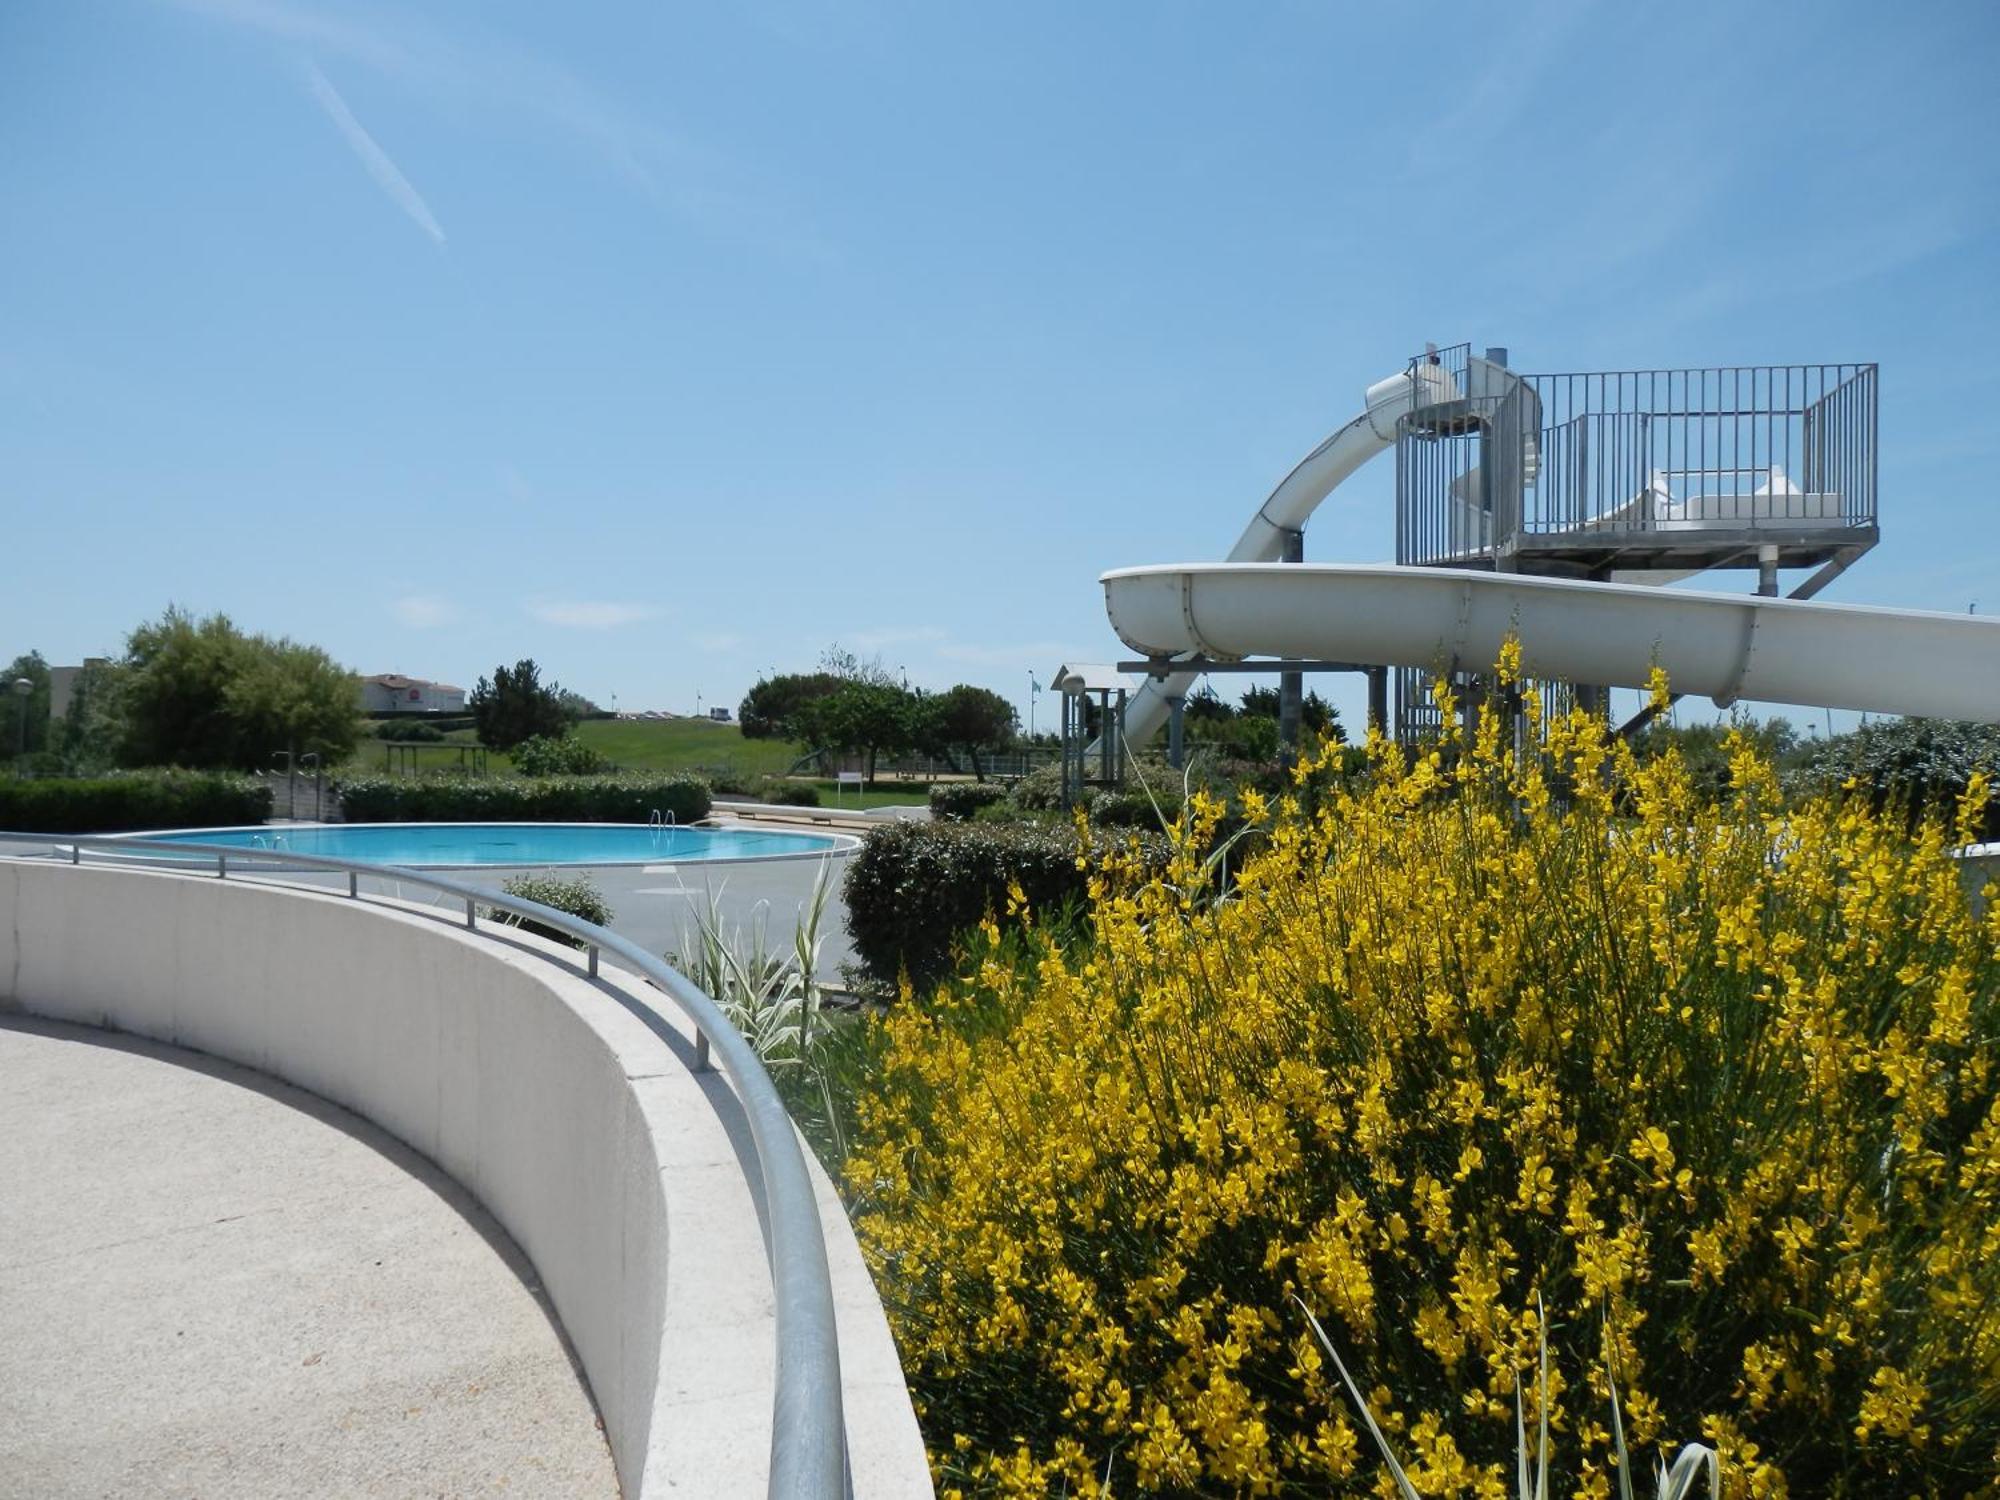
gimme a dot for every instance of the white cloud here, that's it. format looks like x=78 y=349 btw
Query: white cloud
x=388 y=177
x=592 y=614
x=466 y=70
x=425 y=611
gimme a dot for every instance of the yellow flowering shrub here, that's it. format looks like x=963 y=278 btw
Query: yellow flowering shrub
x=1517 y=1017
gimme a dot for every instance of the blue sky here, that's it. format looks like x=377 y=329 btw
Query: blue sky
x=667 y=345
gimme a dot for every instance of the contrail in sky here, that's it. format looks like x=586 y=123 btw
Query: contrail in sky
x=385 y=172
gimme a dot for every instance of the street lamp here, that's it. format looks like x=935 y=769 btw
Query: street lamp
x=23 y=689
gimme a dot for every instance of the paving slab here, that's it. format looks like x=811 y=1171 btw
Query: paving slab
x=214 y=1284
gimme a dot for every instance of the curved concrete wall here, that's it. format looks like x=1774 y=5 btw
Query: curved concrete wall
x=624 y=1176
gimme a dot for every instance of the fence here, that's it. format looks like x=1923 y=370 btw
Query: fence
x=1618 y=458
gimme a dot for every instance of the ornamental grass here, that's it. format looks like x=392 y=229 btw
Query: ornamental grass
x=1516 y=1021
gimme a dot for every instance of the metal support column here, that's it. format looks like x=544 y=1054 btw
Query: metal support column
x=1111 y=738
x=1291 y=685
x=1767 y=572
x=1378 y=699
x=1072 y=747
x=1176 y=727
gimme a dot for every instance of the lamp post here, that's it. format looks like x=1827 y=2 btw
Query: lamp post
x=24 y=689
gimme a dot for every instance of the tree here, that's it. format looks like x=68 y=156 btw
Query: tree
x=849 y=667
x=202 y=693
x=296 y=698
x=1316 y=715
x=966 y=718
x=34 y=706
x=94 y=722
x=517 y=706
x=859 y=717
x=769 y=708
x=1203 y=705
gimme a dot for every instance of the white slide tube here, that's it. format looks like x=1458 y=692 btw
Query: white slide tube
x=1290 y=505
x=1725 y=646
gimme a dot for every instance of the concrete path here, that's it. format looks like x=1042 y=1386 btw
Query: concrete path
x=213 y=1284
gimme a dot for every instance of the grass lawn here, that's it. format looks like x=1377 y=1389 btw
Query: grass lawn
x=886 y=794
x=684 y=745
x=649 y=745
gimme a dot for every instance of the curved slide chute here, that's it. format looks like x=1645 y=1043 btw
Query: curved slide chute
x=1316 y=476
x=1725 y=646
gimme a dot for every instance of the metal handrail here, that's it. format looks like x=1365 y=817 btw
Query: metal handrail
x=808 y=1429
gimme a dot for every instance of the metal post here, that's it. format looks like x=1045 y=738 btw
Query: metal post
x=1176 y=725
x=221 y=867
x=1767 y=572
x=1291 y=685
x=1105 y=749
x=353 y=884
x=593 y=960
x=1378 y=699
x=1064 y=716
x=701 y=1062
x=1112 y=764
x=469 y=912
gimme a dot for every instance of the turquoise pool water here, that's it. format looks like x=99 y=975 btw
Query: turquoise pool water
x=457 y=845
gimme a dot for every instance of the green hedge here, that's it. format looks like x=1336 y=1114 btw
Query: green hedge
x=522 y=799
x=915 y=887
x=961 y=801
x=785 y=793
x=130 y=800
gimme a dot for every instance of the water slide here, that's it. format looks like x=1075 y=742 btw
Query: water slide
x=1315 y=477
x=1724 y=646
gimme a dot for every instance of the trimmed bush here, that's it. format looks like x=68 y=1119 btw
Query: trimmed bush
x=557 y=755
x=1131 y=807
x=400 y=733
x=576 y=894
x=726 y=780
x=1039 y=791
x=1920 y=766
x=524 y=799
x=131 y=800
x=786 y=793
x=914 y=887
x=961 y=801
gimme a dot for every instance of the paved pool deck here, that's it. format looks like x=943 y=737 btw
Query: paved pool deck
x=213 y=1284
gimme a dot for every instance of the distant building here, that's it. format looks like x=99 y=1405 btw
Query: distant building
x=393 y=693
x=62 y=684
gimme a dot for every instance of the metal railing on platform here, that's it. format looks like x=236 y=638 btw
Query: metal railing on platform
x=808 y=1429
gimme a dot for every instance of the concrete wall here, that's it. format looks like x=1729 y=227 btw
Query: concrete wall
x=624 y=1176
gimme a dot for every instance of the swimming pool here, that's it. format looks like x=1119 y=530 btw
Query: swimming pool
x=461 y=845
